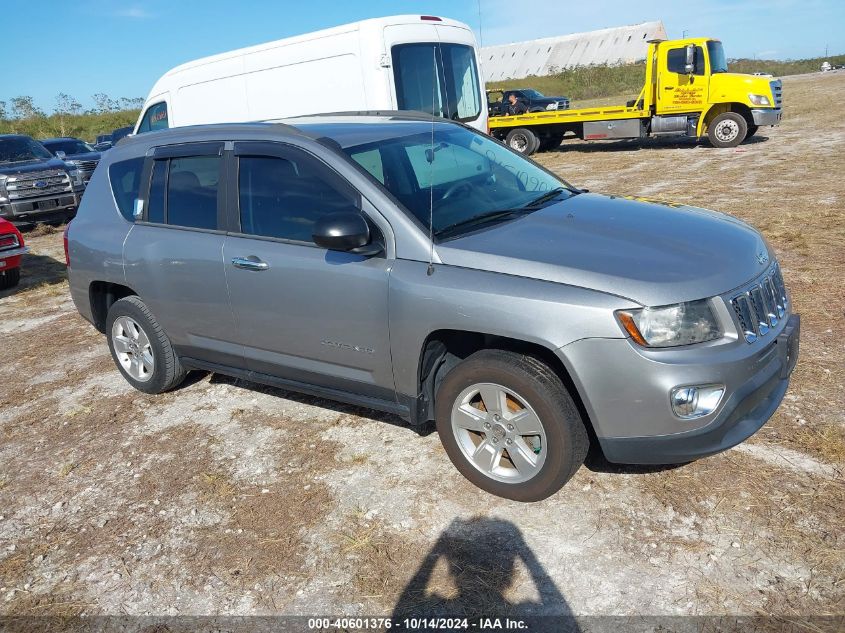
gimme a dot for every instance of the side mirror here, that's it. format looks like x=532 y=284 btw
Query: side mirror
x=690 y=62
x=61 y=155
x=342 y=231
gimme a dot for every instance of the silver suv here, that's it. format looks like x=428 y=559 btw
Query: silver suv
x=424 y=269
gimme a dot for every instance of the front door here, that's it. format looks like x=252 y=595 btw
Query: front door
x=677 y=90
x=303 y=313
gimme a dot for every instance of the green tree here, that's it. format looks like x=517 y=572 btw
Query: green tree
x=23 y=107
x=66 y=106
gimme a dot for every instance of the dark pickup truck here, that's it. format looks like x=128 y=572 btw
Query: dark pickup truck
x=34 y=185
x=497 y=101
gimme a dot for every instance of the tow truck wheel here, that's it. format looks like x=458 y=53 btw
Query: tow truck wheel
x=729 y=129
x=522 y=140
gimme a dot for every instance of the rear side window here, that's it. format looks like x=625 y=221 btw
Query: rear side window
x=125 y=178
x=155 y=118
x=183 y=192
x=283 y=198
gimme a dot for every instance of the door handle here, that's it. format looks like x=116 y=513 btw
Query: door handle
x=668 y=87
x=249 y=263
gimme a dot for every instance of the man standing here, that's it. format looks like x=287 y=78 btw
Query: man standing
x=515 y=106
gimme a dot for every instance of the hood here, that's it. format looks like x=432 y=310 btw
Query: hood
x=652 y=253
x=13 y=169
x=723 y=85
x=84 y=157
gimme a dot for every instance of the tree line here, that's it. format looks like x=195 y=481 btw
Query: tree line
x=20 y=115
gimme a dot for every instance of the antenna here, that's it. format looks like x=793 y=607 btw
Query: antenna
x=480 y=33
x=430 y=270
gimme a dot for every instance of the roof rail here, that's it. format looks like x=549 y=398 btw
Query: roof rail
x=413 y=115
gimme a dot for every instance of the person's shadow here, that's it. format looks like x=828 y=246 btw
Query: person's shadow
x=477 y=569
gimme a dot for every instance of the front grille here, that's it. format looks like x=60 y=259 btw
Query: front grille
x=87 y=165
x=38 y=184
x=762 y=305
x=777 y=91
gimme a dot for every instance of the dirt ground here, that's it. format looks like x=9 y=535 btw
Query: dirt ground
x=226 y=497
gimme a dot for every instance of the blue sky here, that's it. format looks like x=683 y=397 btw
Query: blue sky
x=82 y=47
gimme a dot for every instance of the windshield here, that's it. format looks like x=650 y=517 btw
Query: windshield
x=439 y=79
x=69 y=147
x=463 y=175
x=718 y=61
x=17 y=149
x=532 y=94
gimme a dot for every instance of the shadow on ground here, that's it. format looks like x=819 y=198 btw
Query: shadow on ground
x=38 y=270
x=480 y=557
x=569 y=146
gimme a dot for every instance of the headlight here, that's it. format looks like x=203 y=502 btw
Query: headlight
x=761 y=100
x=75 y=175
x=669 y=326
x=552 y=106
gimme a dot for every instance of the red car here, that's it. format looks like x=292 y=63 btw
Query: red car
x=11 y=249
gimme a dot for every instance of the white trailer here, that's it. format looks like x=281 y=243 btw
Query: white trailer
x=405 y=62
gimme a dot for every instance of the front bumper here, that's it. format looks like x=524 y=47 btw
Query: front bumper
x=767 y=116
x=40 y=208
x=626 y=393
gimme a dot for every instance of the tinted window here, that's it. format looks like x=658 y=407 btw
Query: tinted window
x=15 y=149
x=69 y=147
x=371 y=161
x=283 y=198
x=676 y=61
x=155 y=212
x=718 y=61
x=125 y=178
x=155 y=118
x=192 y=191
x=440 y=79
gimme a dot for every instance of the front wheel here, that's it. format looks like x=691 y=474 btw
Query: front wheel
x=9 y=278
x=510 y=426
x=728 y=129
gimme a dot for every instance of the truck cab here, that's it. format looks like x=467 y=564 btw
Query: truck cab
x=691 y=77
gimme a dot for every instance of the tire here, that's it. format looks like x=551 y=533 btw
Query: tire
x=145 y=356
x=729 y=129
x=531 y=392
x=752 y=130
x=9 y=278
x=550 y=142
x=522 y=140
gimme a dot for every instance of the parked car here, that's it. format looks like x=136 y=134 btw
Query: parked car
x=12 y=248
x=102 y=142
x=497 y=101
x=427 y=270
x=76 y=153
x=34 y=185
x=120 y=133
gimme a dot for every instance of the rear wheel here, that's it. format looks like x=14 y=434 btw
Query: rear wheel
x=10 y=278
x=140 y=348
x=509 y=425
x=522 y=140
x=727 y=130
x=550 y=142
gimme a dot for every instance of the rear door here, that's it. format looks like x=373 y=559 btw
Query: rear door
x=677 y=90
x=304 y=313
x=173 y=255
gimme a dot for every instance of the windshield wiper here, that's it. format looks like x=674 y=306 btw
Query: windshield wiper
x=549 y=195
x=484 y=218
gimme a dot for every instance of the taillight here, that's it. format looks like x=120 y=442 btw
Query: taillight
x=10 y=240
x=67 y=253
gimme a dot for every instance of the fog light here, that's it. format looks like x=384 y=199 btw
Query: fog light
x=696 y=401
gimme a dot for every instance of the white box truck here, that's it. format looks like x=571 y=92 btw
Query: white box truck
x=405 y=62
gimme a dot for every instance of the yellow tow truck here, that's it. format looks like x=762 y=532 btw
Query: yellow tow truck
x=688 y=91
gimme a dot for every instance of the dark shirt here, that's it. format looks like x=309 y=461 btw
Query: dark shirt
x=516 y=108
